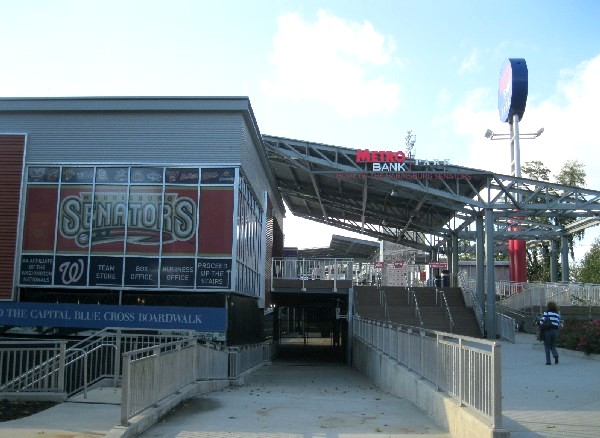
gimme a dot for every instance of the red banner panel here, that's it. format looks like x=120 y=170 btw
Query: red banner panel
x=110 y=217
x=11 y=172
x=40 y=218
x=215 y=231
x=143 y=227
x=74 y=218
x=179 y=220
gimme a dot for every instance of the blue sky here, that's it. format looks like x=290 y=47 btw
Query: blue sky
x=343 y=72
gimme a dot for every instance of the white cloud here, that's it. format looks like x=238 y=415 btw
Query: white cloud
x=471 y=63
x=568 y=118
x=334 y=62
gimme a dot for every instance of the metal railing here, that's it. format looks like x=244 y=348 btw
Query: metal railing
x=308 y=270
x=412 y=297
x=32 y=366
x=446 y=307
x=312 y=269
x=74 y=369
x=534 y=297
x=245 y=357
x=151 y=374
x=383 y=303
x=469 y=291
x=505 y=327
x=467 y=369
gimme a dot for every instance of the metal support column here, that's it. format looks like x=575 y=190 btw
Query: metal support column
x=349 y=319
x=449 y=255
x=454 y=271
x=564 y=258
x=490 y=311
x=553 y=261
x=480 y=261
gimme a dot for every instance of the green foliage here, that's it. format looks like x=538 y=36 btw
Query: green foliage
x=538 y=265
x=572 y=173
x=589 y=269
x=580 y=335
x=536 y=170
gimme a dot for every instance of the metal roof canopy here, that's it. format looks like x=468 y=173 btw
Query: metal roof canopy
x=343 y=247
x=423 y=206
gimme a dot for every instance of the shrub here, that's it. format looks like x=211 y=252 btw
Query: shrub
x=580 y=335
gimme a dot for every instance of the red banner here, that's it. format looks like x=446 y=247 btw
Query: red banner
x=40 y=220
x=216 y=221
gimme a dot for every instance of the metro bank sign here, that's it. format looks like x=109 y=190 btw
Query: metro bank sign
x=389 y=161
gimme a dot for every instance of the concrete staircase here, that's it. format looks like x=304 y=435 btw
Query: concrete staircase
x=401 y=309
x=368 y=304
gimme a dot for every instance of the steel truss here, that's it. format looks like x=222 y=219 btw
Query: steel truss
x=423 y=204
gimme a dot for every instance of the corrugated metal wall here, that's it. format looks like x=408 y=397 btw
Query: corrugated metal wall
x=11 y=168
x=127 y=137
x=274 y=248
x=255 y=171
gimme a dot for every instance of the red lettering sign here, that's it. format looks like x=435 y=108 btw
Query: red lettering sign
x=367 y=156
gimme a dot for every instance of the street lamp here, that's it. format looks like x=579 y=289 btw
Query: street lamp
x=491 y=135
x=515 y=151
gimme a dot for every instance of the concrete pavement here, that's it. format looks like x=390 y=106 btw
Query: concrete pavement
x=293 y=400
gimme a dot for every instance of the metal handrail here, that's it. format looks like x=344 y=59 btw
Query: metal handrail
x=417 y=310
x=32 y=375
x=444 y=304
x=467 y=369
x=63 y=364
x=85 y=364
x=467 y=287
x=383 y=303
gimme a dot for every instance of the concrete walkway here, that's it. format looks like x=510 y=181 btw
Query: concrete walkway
x=293 y=400
x=298 y=401
x=549 y=401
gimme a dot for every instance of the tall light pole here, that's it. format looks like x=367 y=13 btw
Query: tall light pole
x=512 y=99
x=516 y=248
x=515 y=149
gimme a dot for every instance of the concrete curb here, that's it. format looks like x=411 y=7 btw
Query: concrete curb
x=566 y=352
x=150 y=416
x=147 y=418
x=396 y=379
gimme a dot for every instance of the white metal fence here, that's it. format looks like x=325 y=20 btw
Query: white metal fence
x=57 y=367
x=535 y=296
x=151 y=374
x=312 y=269
x=32 y=366
x=468 y=369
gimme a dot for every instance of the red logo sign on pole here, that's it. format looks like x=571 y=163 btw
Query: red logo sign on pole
x=379 y=264
x=442 y=265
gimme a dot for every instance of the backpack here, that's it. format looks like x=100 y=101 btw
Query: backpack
x=546 y=323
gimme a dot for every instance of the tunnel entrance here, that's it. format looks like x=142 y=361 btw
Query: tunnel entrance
x=311 y=332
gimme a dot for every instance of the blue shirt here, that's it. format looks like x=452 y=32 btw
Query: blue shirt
x=554 y=318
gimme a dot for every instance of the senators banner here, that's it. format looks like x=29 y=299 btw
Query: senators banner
x=120 y=227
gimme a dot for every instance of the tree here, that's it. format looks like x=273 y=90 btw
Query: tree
x=536 y=170
x=538 y=263
x=572 y=173
x=589 y=270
